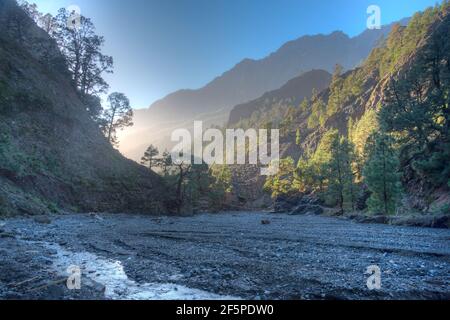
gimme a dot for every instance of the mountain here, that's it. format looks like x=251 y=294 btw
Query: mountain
x=293 y=92
x=248 y=80
x=53 y=157
x=400 y=90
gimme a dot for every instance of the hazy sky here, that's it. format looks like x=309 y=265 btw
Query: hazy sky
x=160 y=46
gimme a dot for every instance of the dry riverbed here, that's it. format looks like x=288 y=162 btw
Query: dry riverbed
x=220 y=256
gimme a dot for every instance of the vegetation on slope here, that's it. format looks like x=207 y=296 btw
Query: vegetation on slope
x=379 y=126
x=53 y=155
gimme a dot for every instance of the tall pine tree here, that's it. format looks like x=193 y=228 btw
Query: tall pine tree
x=381 y=173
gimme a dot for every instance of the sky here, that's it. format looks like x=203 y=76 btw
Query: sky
x=160 y=46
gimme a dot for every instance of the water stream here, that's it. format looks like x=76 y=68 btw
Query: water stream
x=118 y=286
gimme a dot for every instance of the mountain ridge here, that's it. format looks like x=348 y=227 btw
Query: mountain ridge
x=296 y=90
x=246 y=81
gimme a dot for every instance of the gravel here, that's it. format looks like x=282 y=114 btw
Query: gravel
x=220 y=256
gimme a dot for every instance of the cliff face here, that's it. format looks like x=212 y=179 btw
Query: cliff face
x=52 y=155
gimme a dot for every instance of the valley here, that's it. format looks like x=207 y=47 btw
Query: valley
x=220 y=256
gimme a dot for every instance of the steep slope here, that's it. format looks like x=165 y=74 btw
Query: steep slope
x=248 y=80
x=364 y=92
x=293 y=93
x=52 y=155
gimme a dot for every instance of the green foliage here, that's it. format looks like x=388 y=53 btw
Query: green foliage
x=11 y=159
x=221 y=185
x=363 y=129
x=53 y=207
x=336 y=92
x=318 y=114
x=415 y=111
x=417 y=104
x=223 y=178
x=282 y=182
x=304 y=106
x=381 y=174
x=197 y=183
x=298 y=137
x=329 y=171
x=340 y=175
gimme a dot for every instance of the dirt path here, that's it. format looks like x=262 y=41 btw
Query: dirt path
x=220 y=256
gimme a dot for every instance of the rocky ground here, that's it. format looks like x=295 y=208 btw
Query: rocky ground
x=220 y=256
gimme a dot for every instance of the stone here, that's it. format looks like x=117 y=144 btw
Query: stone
x=42 y=219
x=304 y=209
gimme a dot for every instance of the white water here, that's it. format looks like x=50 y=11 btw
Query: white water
x=118 y=286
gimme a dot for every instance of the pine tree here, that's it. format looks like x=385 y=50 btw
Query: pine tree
x=336 y=96
x=166 y=162
x=298 y=138
x=282 y=182
x=304 y=178
x=381 y=174
x=416 y=106
x=116 y=116
x=82 y=48
x=149 y=156
x=341 y=176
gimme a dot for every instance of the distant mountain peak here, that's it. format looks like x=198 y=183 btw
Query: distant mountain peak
x=249 y=79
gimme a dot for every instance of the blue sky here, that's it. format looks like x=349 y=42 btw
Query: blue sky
x=160 y=46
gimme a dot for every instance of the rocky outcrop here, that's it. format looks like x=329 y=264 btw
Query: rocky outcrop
x=307 y=209
x=298 y=205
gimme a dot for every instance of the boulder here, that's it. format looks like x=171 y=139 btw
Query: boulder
x=285 y=204
x=304 y=209
x=42 y=219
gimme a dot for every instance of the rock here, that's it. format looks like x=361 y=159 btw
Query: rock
x=374 y=219
x=441 y=222
x=307 y=209
x=98 y=287
x=55 y=292
x=42 y=219
x=298 y=205
x=285 y=204
x=265 y=222
x=5 y=235
x=427 y=221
